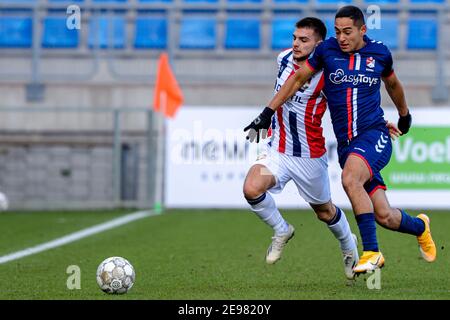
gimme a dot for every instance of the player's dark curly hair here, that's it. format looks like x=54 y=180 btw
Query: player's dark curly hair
x=313 y=23
x=353 y=13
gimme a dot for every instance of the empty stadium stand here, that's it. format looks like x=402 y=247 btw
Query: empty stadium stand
x=197 y=23
x=228 y=34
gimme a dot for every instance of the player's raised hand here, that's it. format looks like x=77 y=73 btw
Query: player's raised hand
x=394 y=132
x=260 y=125
x=404 y=123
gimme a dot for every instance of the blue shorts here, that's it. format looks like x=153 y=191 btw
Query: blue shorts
x=375 y=148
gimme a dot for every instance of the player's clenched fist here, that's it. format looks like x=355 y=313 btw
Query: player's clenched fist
x=260 y=125
x=404 y=123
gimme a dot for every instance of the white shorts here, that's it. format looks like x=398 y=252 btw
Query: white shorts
x=310 y=175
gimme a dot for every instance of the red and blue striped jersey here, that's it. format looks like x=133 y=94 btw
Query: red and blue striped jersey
x=352 y=84
x=296 y=126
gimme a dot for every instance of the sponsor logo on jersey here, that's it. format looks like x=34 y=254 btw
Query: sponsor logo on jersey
x=339 y=77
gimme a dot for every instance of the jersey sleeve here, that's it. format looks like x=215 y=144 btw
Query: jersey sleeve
x=388 y=64
x=315 y=60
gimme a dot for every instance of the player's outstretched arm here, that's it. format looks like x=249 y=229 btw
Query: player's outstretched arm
x=290 y=87
x=259 y=126
x=397 y=94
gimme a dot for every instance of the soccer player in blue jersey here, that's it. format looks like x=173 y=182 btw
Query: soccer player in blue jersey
x=354 y=66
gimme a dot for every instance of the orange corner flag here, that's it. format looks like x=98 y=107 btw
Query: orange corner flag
x=168 y=96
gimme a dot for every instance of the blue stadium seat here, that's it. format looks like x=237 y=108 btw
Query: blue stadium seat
x=201 y=1
x=57 y=35
x=329 y=23
x=198 y=33
x=388 y=33
x=422 y=33
x=427 y=1
x=282 y=30
x=291 y=1
x=151 y=33
x=70 y=1
x=382 y=1
x=83 y=0
x=16 y=32
x=155 y=0
x=334 y=1
x=242 y=33
x=99 y=32
x=242 y=1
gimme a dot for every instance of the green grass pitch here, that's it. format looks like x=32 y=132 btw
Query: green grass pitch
x=213 y=254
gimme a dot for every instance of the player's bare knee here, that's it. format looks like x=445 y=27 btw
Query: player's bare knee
x=324 y=212
x=325 y=215
x=252 y=189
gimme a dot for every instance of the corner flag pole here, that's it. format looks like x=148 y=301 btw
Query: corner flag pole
x=159 y=179
x=168 y=98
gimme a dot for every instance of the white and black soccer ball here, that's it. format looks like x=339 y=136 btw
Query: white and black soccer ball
x=115 y=275
x=4 y=203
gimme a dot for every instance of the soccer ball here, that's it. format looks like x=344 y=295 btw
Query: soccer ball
x=4 y=204
x=115 y=275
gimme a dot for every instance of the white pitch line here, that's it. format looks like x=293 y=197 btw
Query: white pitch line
x=77 y=235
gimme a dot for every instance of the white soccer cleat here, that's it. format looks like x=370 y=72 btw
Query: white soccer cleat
x=277 y=245
x=351 y=259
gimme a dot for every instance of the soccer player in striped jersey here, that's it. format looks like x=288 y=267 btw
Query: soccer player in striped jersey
x=296 y=151
x=353 y=67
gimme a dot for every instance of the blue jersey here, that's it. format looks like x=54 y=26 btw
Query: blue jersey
x=352 y=85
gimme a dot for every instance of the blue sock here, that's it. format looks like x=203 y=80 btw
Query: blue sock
x=368 y=231
x=411 y=225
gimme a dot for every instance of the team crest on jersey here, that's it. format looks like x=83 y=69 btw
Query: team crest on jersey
x=370 y=63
